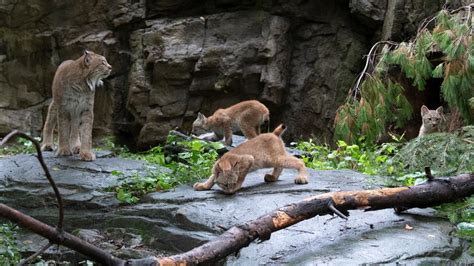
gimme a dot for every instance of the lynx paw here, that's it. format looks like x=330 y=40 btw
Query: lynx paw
x=199 y=186
x=301 y=180
x=270 y=178
x=76 y=149
x=227 y=142
x=63 y=152
x=87 y=156
x=47 y=147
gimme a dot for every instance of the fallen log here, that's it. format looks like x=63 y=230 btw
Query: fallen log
x=429 y=194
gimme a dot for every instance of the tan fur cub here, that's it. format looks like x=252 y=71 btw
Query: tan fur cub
x=246 y=115
x=432 y=120
x=73 y=105
x=265 y=150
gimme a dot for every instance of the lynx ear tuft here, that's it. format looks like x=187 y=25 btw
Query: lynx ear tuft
x=424 y=110
x=201 y=116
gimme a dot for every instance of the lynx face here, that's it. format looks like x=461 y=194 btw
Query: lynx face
x=431 y=118
x=199 y=125
x=98 y=69
x=226 y=175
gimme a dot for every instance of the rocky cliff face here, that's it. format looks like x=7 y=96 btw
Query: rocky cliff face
x=172 y=59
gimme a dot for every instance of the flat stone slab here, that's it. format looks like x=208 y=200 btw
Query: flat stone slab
x=180 y=219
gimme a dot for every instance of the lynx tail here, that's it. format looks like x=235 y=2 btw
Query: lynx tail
x=279 y=130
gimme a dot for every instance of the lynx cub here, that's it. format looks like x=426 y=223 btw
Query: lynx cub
x=246 y=115
x=265 y=150
x=432 y=120
x=73 y=105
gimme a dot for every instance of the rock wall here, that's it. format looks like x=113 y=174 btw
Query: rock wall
x=172 y=59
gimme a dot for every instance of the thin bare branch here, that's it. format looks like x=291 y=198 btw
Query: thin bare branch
x=45 y=169
x=37 y=253
x=56 y=237
x=370 y=58
x=428 y=174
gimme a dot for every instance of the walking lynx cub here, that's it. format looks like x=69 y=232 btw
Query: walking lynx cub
x=265 y=150
x=246 y=115
x=73 y=104
x=432 y=120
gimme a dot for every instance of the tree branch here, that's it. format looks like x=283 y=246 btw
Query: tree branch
x=55 y=237
x=45 y=169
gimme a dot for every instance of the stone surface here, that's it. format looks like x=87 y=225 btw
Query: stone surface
x=177 y=220
x=172 y=59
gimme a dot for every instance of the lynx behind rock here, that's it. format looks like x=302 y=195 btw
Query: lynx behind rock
x=73 y=105
x=265 y=150
x=432 y=120
x=246 y=115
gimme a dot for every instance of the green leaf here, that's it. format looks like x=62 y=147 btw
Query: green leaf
x=116 y=173
x=438 y=71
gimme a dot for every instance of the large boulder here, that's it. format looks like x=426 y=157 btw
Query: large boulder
x=229 y=56
x=172 y=59
x=170 y=222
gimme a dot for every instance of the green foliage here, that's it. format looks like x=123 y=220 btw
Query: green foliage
x=20 y=146
x=446 y=153
x=9 y=251
x=366 y=159
x=193 y=163
x=462 y=214
x=379 y=101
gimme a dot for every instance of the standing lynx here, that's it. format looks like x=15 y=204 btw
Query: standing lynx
x=246 y=115
x=73 y=104
x=432 y=120
x=265 y=150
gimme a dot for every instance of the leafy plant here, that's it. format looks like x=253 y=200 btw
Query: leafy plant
x=370 y=160
x=9 y=251
x=194 y=162
x=462 y=214
x=377 y=100
x=21 y=146
x=446 y=153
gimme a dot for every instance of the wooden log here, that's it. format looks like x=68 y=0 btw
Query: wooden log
x=424 y=195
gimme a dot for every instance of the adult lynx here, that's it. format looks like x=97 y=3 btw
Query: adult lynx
x=265 y=150
x=246 y=115
x=73 y=105
x=432 y=120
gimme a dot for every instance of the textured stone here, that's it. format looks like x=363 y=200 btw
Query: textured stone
x=177 y=220
x=181 y=57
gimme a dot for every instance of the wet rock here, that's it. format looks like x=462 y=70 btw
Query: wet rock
x=177 y=220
